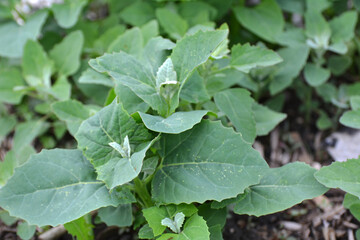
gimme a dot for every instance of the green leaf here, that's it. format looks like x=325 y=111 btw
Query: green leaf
x=266 y=119
x=351 y=119
x=178 y=122
x=6 y=218
x=198 y=167
x=343 y=26
x=323 y=122
x=194 y=89
x=67 y=13
x=192 y=51
x=138 y=13
x=61 y=90
x=215 y=220
x=268 y=13
x=103 y=42
x=120 y=216
x=343 y=175
x=146 y=232
x=339 y=64
x=128 y=71
x=81 y=228
x=246 y=57
x=236 y=104
x=317 y=29
x=10 y=79
x=58 y=186
x=12 y=160
x=318 y=5
x=37 y=67
x=293 y=37
x=66 y=55
x=279 y=189
x=26 y=132
x=154 y=215
x=315 y=75
x=130 y=42
x=354 y=102
x=352 y=203
x=14 y=37
x=72 y=112
x=25 y=231
x=7 y=124
x=195 y=228
x=294 y=59
x=174 y=25
x=111 y=125
x=90 y=76
x=149 y=30
x=130 y=101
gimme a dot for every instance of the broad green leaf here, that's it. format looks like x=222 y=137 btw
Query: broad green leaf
x=72 y=112
x=155 y=215
x=6 y=218
x=194 y=89
x=266 y=119
x=66 y=55
x=323 y=122
x=294 y=60
x=130 y=42
x=351 y=119
x=14 y=37
x=58 y=186
x=246 y=57
x=292 y=37
x=173 y=24
x=37 y=67
x=90 y=76
x=103 y=42
x=215 y=220
x=177 y=122
x=317 y=29
x=226 y=78
x=7 y=124
x=149 y=31
x=120 y=216
x=296 y=6
x=318 y=5
x=354 y=102
x=236 y=104
x=339 y=64
x=343 y=26
x=192 y=51
x=343 y=175
x=25 y=231
x=61 y=90
x=208 y=162
x=81 y=228
x=12 y=160
x=10 y=80
x=111 y=125
x=130 y=101
x=138 y=13
x=128 y=71
x=279 y=189
x=195 y=228
x=315 y=75
x=352 y=203
x=26 y=132
x=268 y=13
x=146 y=232
x=67 y=13
x=197 y=13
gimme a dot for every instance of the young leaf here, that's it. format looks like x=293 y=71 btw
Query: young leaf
x=266 y=119
x=246 y=57
x=10 y=79
x=317 y=29
x=81 y=228
x=351 y=119
x=113 y=124
x=66 y=14
x=120 y=216
x=280 y=189
x=343 y=175
x=66 y=55
x=37 y=67
x=178 y=122
x=63 y=189
x=268 y=13
x=237 y=104
x=173 y=23
x=315 y=75
x=198 y=167
x=195 y=228
x=176 y=224
x=191 y=51
x=14 y=37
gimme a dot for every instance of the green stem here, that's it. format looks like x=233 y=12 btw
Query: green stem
x=143 y=193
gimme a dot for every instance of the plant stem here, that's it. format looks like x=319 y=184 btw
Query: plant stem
x=143 y=193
